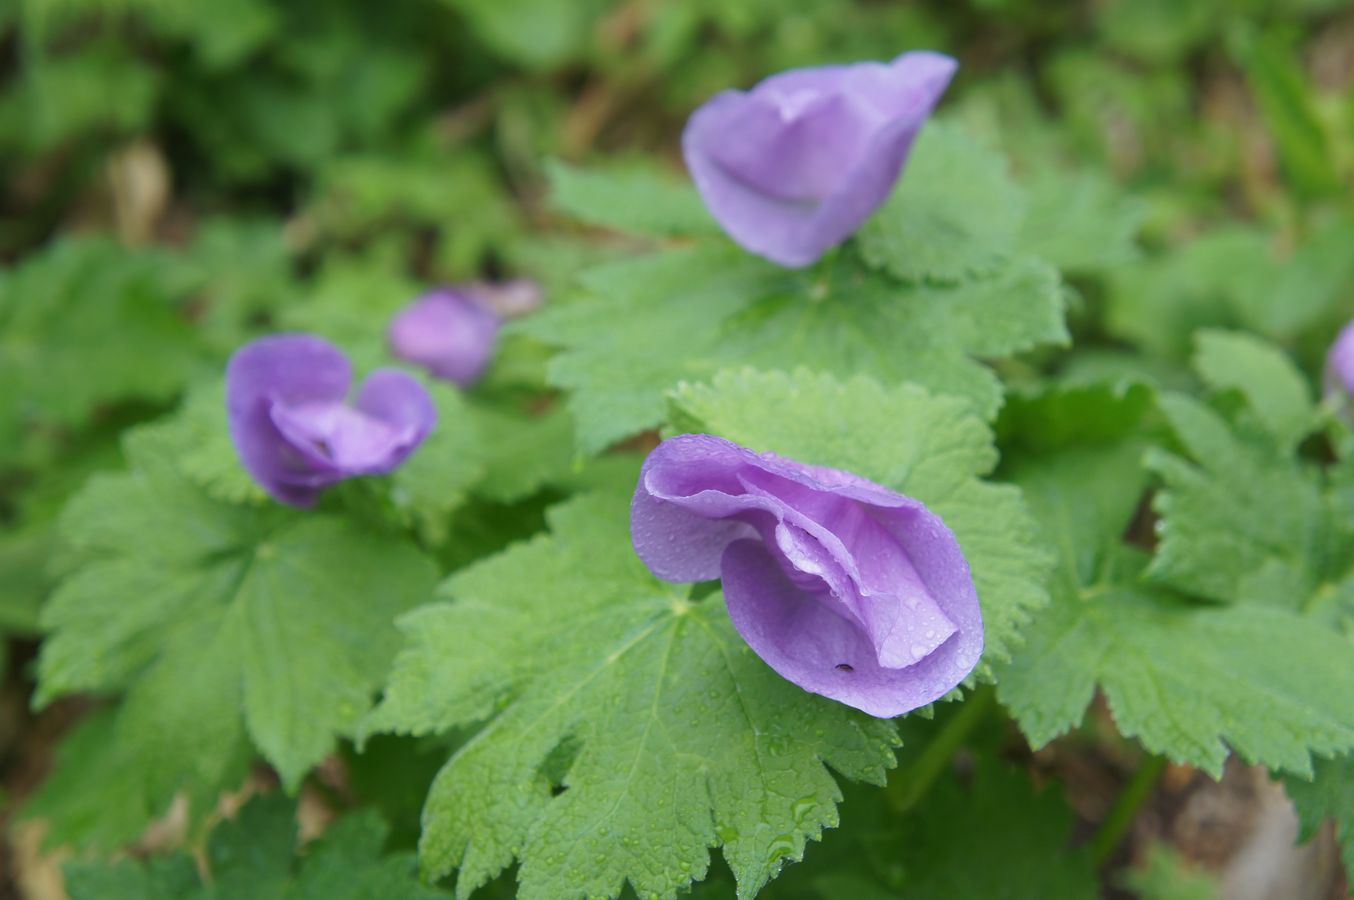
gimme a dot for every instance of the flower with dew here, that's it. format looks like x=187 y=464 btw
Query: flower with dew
x=793 y=167
x=447 y=331
x=296 y=432
x=844 y=587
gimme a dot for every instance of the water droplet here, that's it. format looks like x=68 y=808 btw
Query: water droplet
x=781 y=847
x=930 y=633
x=728 y=834
x=918 y=651
x=803 y=806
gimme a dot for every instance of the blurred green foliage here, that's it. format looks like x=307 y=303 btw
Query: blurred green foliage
x=177 y=177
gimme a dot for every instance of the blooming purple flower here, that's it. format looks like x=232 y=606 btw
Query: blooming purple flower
x=842 y=586
x=296 y=434
x=448 y=332
x=794 y=166
x=1340 y=364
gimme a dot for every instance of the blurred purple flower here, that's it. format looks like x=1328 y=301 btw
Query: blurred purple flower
x=1340 y=364
x=842 y=586
x=296 y=434
x=794 y=166
x=448 y=332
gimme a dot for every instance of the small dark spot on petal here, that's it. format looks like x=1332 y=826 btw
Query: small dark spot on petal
x=845 y=667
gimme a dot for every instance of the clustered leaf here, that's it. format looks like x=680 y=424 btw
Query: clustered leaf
x=629 y=728
x=1188 y=679
x=250 y=857
x=618 y=357
x=223 y=625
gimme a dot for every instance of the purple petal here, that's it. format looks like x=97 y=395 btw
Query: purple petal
x=1340 y=363
x=295 y=434
x=860 y=569
x=282 y=369
x=446 y=332
x=794 y=166
x=808 y=644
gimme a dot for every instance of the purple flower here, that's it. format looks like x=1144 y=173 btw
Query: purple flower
x=795 y=165
x=844 y=587
x=447 y=332
x=1340 y=364
x=296 y=434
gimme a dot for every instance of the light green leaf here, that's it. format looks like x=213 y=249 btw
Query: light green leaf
x=1329 y=793
x=1188 y=680
x=1273 y=387
x=199 y=610
x=57 y=311
x=1243 y=523
x=1079 y=221
x=634 y=199
x=629 y=728
x=927 y=447
x=955 y=212
x=646 y=324
x=251 y=858
x=436 y=479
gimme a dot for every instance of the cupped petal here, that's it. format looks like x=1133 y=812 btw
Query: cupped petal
x=679 y=521
x=807 y=643
x=446 y=332
x=794 y=148
x=277 y=371
x=793 y=167
x=762 y=223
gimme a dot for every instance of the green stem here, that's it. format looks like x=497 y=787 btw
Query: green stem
x=1125 y=809
x=912 y=785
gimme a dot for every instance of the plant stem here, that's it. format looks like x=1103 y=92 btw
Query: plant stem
x=904 y=792
x=1125 y=808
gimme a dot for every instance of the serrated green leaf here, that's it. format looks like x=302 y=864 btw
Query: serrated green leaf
x=1241 y=522
x=668 y=736
x=57 y=311
x=1079 y=221
x=97 y=795
x=200 y=610
x=634 y=199
x=955 y=212
x=1329 y=793
x=437 y=478
x=646 y=324
x=928 y=447
x=1188 y=680
x=251 y=858
x=1273 y=387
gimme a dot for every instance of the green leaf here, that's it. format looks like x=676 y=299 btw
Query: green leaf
x=537 y=34
x=1188 y=680
x=629 y=728
x=929 y=854
x=98 y=794
x=1329 y=793
x=645 y=324
x=1287 y=103
x=202 y=611
x=1166 y=875
x=1079 y=220
x=955 y=212
x=57 y=311
x=436 y=479
x=1241 y=522
x=635 y=199
x=1275 y=390
x=927 y=447
x=251 y=858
